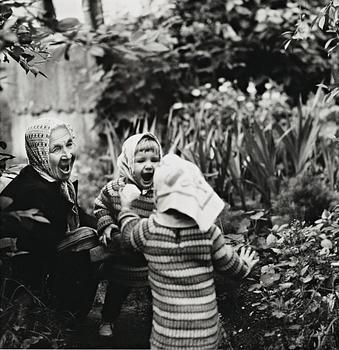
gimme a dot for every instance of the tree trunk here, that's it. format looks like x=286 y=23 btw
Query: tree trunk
x=93 y=13
x=46 y=13
x=48 y=9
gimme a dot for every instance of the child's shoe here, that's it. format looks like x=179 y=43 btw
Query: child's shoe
x=106 y=329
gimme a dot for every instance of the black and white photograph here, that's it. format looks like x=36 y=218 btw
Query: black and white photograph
x=169 y=174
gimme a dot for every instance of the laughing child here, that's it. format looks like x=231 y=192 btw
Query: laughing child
x=140 y=156
x=183 y=247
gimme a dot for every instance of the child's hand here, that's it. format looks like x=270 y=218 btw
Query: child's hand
x=128 y=194
x=106 y=237
x=248 y=256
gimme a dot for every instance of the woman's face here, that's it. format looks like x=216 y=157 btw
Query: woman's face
x=61 y=153
x=145 y=163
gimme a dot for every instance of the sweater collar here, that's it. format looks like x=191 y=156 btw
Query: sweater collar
x=173 y=222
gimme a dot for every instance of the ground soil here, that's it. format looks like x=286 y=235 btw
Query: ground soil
x=132 y=329
x=244 y=325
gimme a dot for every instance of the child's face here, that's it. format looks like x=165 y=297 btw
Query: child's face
x=145 y=162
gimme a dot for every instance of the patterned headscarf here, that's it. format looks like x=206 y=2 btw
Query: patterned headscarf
x=126 y=158
x=37 y=139
x=180 y=185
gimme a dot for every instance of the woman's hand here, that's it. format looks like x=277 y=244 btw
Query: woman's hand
x=248 y=256
x=128 y=194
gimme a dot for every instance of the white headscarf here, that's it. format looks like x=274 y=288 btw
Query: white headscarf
x=180 y=185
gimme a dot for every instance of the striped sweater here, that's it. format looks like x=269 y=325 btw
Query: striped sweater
x=181 y=264
x=130 y=267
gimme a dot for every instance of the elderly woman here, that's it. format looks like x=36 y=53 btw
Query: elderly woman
x=58 y=251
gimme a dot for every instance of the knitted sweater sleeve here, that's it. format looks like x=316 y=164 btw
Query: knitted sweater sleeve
x=225 y=258
x=133 y=229
x=102 y=210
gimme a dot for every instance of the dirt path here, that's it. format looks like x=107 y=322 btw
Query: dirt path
x=132 y=329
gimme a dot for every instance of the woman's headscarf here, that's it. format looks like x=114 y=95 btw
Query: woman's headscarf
x=37 y=139
x=180 y=185
x=126 y=158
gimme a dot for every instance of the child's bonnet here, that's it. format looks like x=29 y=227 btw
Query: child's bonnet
x=180 y=185
x=125 y=160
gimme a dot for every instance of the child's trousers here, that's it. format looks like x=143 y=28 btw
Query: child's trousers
x=115 y=296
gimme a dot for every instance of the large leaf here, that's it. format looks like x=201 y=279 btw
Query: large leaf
x=67 y=24
x=329 y=154
x=33 y=214
x=5 y=202
x=268 y=278
x=261 y=151
x=299 y=141
x=155 y=47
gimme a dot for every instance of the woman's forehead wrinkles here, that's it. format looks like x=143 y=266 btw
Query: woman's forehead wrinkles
x=61 y=139
x=60 y=134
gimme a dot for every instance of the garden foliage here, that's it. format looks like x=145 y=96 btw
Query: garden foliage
x=248 y=145
x=21 y=38
x=304 y=198
x=298 y=289
x=239 y=41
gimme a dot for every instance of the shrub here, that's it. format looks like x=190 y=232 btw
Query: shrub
x=304 y=198
x=298 y=286
x=91 y=175
x=211 y=131
x=27 y=323
x=240 y=40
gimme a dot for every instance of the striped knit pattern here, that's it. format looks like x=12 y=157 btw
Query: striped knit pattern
x=181 y=265
x=106 y=209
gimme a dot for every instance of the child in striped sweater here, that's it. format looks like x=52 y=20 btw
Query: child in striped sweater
x=140 y=155
x=183 y=247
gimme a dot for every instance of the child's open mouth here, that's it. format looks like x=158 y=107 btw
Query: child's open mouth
x=147 y=177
